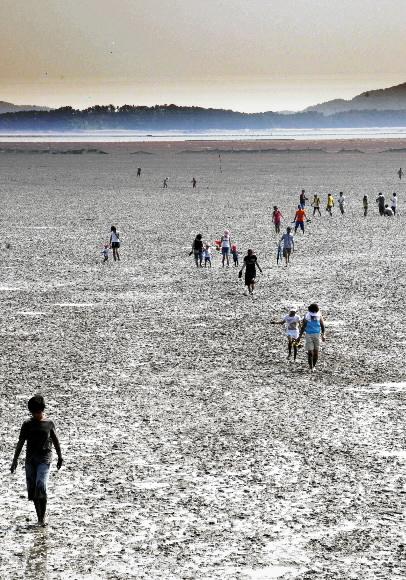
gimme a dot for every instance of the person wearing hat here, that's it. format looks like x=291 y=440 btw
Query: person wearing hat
x=292 y=321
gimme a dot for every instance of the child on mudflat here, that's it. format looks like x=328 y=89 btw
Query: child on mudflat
x=292 y=321
x=39 y=433
x=207 y=255
x=235 y=254
x=105 y=253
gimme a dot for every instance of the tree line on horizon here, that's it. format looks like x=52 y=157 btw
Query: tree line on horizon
x=174 y=117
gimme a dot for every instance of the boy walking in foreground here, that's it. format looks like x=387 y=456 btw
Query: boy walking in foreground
x=313 y=326
x=39 y=433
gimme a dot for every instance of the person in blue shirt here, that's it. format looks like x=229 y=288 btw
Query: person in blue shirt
x=313 y=326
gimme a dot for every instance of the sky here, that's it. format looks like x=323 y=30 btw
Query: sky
x=246 y=55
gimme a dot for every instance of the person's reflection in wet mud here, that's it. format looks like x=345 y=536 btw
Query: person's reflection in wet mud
x=37 y=555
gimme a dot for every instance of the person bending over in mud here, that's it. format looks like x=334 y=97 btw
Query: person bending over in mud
x=39 y=433
x=250 y=265
x=313 y=326
x=292 y=321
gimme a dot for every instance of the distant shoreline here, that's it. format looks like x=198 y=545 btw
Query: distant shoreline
x=261 y=146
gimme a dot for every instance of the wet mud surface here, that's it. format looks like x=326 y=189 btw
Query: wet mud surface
x=192 y=448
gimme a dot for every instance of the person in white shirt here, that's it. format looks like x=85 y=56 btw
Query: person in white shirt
x=207 y=255
x=394 y=203
x=388 y=211
x=115 y=242
x=292 y=322
x=225 y=247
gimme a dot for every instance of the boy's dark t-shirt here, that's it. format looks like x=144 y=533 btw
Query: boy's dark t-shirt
x=198 y=245
x=250 y=263
x=39 y=441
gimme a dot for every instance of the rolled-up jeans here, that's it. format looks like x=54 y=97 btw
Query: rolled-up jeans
x=37 y=478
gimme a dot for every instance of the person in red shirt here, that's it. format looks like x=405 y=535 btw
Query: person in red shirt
x=300 y=217
x=277 y=218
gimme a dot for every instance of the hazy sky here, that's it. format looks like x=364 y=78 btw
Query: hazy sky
x=243 y=54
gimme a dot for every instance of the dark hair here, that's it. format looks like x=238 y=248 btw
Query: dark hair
x=36 y=403
x=313 y=308
x=113 y=228
x=199 y=237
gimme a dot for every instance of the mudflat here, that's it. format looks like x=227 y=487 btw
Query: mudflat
x=192 y=448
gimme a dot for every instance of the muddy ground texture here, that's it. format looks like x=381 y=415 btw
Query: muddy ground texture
x=192 y=448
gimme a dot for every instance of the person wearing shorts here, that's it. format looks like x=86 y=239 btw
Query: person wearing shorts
x=292 y=322
x=115 y=242
x=316 y=204
x=302 y=199
x=39 y=432
x=225 y=247
x=313 y=326
x=277 y=218
x=330 y=204
x=299 y=219
x=288 y=245
x=250 y=265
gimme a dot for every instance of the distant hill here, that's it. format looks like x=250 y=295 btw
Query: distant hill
x=11 y=108
x=174 y=118
x=391 y=99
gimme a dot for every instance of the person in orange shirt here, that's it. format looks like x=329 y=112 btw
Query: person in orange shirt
x=300 y=217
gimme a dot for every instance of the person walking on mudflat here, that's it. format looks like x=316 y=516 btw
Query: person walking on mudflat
x=299 y=218
x=292 y=322
x=197 y=250
x=316 y=204
x=313 y=326
x=139 y=172
x=394 y=203
x=400 y=173
x=303 y=199
x=194 y=183
x=277 y=218
x=39 y=433
x=115 y=242
x=365 y=205
x=330 y=204
x=288 y=245
x=341 y=203
x=380 y=200
x=225 y=247
x=250 y=265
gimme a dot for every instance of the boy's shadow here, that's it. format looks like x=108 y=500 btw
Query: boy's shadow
x=37 y=556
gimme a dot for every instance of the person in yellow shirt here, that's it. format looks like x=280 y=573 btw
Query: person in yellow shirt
x=330 y=204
